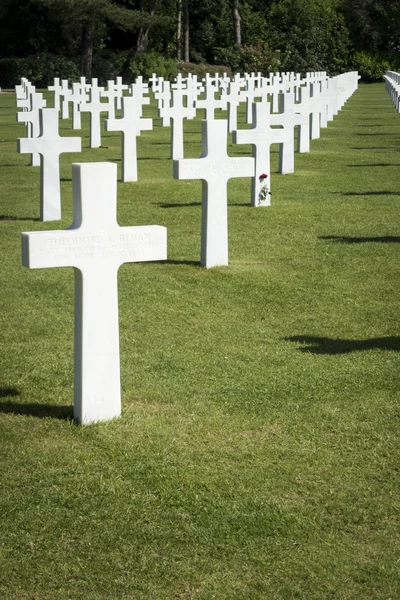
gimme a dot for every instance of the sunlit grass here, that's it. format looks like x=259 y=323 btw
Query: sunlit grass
x=257 y=453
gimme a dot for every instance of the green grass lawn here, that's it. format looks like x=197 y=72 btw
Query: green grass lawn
x=257 y=453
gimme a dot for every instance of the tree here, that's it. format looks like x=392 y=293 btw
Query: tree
x=90 y=19
x=236 y=22
x=185 y=7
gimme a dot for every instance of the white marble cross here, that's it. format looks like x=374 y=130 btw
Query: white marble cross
x=77 y=97
x=210 y=102
x=193 y=90
x=179 y=84
x=64 y=92
x=111 y=93
x=95 y=107
x=286 y=120
x=260 y=136
x=131 y=125
x=164 y=101
x=49 y=145
x=137 y=91
x=177 y=112
x=120 y=87
x=214 y=168
x=250 y=93
x=233 y=100
x=56 y=88
x=95 y=245
x=32 y=116
x=156 y=82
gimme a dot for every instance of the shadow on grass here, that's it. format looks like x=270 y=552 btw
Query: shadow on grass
x=8 y=391
x=382 y=193
x=374 y=148
x=41 y=411
x=376 y=165
x=192 y=263
x=152 y=158
x=322 y=345
x=15 y=165
x=384 y=239
x=168 y=205
x=12 y=218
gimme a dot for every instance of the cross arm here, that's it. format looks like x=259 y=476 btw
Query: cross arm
x=189 y=168
x=29 y=145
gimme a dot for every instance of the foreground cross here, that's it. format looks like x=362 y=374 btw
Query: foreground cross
x=214 y=168
x=95 y=245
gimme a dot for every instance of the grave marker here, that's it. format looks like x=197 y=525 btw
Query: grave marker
x=95 y=245
x=32 y=117
x=95 y=107
x=131 y=125
x=214 y=168
x=49 y=145
x=177 y=112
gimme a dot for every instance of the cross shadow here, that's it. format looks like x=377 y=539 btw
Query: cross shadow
x=168 y=205
x=12 y=218
x=40 y=411
x=9 y=391
x=323 y=345
x=192 y=263
x=382 y=193
x=370 y=148
x=150 y=158
x=384 y=239
x=376 y=165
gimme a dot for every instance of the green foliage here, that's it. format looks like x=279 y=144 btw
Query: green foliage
x=370 y=66
x=11 y=71
x=109 y=65
x=39 y=69
x=311 y=35
x=201 y=69
x=146 y=64
x=258 y=57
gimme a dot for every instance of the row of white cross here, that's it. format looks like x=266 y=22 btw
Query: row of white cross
x=95 y=245
x=310 y=114
x=392 y=84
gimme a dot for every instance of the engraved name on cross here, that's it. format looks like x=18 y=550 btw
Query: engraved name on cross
x=95 y=245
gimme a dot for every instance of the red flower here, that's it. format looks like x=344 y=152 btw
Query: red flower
x=263 y=176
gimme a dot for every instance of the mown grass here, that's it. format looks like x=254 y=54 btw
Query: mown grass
x=257 y=454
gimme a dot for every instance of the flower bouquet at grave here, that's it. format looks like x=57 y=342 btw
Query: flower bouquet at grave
x=264 y=195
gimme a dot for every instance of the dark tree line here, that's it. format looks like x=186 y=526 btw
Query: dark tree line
x=104 y=37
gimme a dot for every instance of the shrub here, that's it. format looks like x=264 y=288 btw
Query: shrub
x=251 y=58
x=111 y=64
x=371 y=67
x=145 y=64
x=40 y=69
x=201 y=69
x=11 y=71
